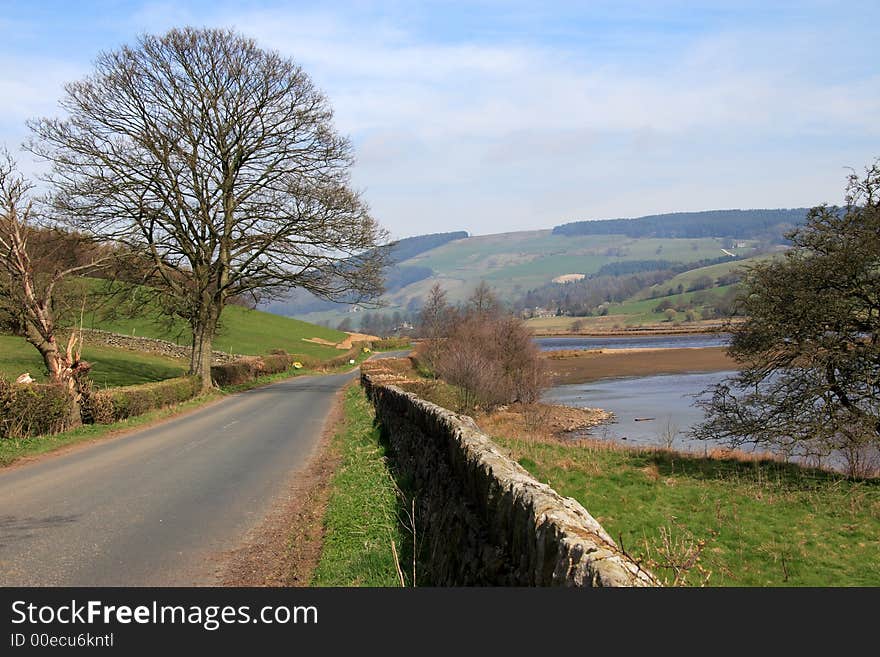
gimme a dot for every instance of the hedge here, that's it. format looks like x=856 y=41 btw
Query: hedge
x=392 y=344
x=343 y=359
x=308 y=362
x=276 y=363
x=236 y=372
x=248 y=369
x=114 y=404
x=34 y=409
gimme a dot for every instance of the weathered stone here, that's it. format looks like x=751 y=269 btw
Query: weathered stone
x=147 y=345
x=481 y=518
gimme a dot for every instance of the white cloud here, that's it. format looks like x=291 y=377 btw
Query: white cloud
x=489 y=136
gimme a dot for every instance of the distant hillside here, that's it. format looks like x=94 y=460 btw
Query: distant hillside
x=397 y=277
x=410 y=247
x=515 y=263
x=737 y=224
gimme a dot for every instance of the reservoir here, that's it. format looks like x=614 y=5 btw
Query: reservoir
x=692 y=340
x=645 y=407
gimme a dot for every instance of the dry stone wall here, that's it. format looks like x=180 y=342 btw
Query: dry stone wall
x=148 y=345
x=480 y=517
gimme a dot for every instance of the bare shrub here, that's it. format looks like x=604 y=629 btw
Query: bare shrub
x=490 y=357
x=861 y=460
x=668 y=433
x=676 y=556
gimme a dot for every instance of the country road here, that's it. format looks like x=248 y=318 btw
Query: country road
x=161 y=505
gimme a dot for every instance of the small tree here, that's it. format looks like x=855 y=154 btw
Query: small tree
x=702 y=283
x=218 y=160
x=483 y=301
x=810 y=348
x=435 y=321
x=31 y=273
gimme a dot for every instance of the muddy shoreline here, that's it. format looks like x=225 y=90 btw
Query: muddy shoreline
x=590 y=365
x=640 y=331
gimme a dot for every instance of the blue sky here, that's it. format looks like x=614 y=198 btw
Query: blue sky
x=496 y=116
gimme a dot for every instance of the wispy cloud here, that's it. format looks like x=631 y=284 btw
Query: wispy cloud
x=498 y=129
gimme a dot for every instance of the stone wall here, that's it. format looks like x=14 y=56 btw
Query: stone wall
x=481 y=518
x=148 y=345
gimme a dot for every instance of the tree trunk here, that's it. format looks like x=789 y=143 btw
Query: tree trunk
x=51 y=355
x=203 y=339
x=62 y=370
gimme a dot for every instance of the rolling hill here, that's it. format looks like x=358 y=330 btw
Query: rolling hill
x=514 y=263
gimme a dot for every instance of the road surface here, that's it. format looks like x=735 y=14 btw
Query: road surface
x=159 y=506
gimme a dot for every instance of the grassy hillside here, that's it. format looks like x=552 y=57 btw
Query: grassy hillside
x=686 y=279
x=513 y=263
x=110 y=367
x=633 y=312
x=638 y=310
x=519 y=261
x=242 y=331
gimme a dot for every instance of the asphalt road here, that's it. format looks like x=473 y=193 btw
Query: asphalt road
x=159 y=506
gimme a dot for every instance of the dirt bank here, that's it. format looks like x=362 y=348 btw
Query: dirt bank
x=589 y=365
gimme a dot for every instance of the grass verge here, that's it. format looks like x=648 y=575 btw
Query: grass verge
x=361 y=521
x=719 y=521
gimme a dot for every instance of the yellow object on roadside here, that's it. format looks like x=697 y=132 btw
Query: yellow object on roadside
x=366 y=350
x=297 y=365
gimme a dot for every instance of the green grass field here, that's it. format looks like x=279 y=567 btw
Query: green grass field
x=110 y=367
x=686 y=279
x=758 y=523
x=242 y=331
x=523 y=260
x=361 y=518
x=638 y=311
x=632 y=313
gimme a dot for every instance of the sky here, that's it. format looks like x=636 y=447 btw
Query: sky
x=499 y=116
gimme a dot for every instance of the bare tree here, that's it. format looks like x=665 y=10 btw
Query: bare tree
x=483 y=301
x=435 y=321
x=220 y=160
x=668 y=433
x=29 y=279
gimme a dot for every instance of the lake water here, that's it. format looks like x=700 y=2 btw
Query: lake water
x=636 y=341
x=644 y=406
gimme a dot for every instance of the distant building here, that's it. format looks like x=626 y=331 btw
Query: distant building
x=537 y=311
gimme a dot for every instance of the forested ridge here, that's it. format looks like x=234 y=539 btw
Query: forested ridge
x=738 y=224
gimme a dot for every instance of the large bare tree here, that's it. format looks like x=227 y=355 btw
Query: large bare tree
x=33 y=268
x=220 y=160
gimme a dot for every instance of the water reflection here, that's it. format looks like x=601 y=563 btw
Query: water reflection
x=633 y=342
x=649 y=410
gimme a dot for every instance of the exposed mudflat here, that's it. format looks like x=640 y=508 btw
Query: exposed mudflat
x=590 y=365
